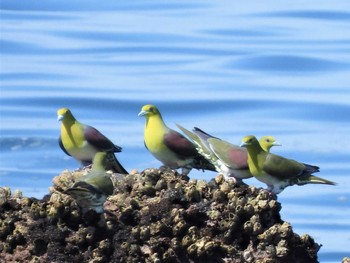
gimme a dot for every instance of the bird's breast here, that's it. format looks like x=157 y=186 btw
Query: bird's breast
x=154 y=135
x=85 y=152
x=254 y=166
x=75 y=144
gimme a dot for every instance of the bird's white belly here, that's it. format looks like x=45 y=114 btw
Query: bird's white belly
x=170 y=159
x=274 y=184
x=230 y=172
x=85 y=152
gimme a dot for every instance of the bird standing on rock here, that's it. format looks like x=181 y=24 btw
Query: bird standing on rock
x=168 y=146
x=228 y=159
x=82 y=142
x=276 y=171
x=92 y=190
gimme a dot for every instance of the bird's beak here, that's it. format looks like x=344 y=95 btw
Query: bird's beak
x=243 y=144
x=277 y=144
x=60 y=117
x=142 y=113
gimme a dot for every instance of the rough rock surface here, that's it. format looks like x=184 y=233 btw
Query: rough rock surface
x=153 y=216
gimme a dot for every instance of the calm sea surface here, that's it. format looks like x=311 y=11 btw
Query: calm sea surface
x=232 y=68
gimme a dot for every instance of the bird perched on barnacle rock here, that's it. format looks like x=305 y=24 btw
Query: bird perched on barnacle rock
x=168 y=146
x=228 y=159
x=276 y=171
x=91 y=191
x=82 y=142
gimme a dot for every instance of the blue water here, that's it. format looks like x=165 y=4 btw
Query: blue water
x=232 y=68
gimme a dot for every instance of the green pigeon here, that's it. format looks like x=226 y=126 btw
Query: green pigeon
x=82 y=142
x=276 y=171
x=229 y=159
x=91 y=191
x=266 y=142
x=168 y=146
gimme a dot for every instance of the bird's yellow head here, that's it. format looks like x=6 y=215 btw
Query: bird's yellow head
x=268 y=139
x=249 y=140
x=63 y=113
x=267 y=142
x=149 y=110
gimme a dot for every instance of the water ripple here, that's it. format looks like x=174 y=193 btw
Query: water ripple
x=90 y=5
x=26 y=143
x=288 y=63
x=34 y=75
x=310 y=14
x=31 y=16
x=20 y=48
x=243 y=33
x=323 y=226
x=292 y=109
x=135 y=37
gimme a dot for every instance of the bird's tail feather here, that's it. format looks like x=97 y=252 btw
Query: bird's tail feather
x=114 y=165
x=189 y=134
x=201 y=163
x=311 y=168
x=202 y=133
x=311 y=179
x=117 y=149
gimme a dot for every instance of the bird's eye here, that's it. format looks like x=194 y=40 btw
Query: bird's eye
x=267 y=140
x=151 y=109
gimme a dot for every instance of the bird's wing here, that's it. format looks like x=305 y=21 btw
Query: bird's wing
x=281 y=167
x=100 y=181
x=200 y=144
x=231 y=155
x=98 y=140
x=179 y=144
x=82 y=186
x=203 y=137
x=203 y=134
x=61 y=145
x=189 y=134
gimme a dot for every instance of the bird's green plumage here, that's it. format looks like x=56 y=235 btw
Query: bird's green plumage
x=91 y=191
x=280 y=167
x=276 y=171
x=98 y=177
x=168 y=146
x=228 y=159
x=155 y=131
x=72 y=131
x=83 y=141
x=223 y=149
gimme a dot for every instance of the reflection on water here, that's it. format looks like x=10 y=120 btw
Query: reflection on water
x=229 y=68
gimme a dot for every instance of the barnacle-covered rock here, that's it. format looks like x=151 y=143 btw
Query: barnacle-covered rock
x=5 y=193
x=156 y=215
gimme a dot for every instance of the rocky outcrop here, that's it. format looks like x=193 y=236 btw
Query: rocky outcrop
x=153 y=216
